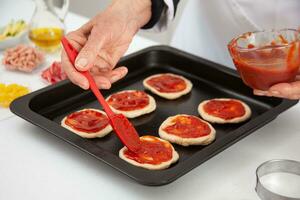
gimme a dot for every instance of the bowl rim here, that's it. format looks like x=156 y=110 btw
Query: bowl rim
x=233 y=43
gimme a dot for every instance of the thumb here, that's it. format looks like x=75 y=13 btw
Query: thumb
x=87 y=55
x=287 y=90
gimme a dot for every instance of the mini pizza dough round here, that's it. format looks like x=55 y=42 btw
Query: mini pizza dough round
x=218 y=120
x=163 y=165
x=99 y=134
x=169 y=95
x=203 y=140
x=135 y=113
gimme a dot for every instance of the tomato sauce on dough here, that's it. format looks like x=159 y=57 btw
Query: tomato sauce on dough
x=188 y=127
x=167 y=83
x=153 y=151
x=129 y=100
x=88 y=121
x=225 y=109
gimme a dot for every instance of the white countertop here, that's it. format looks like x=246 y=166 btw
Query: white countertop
x=35 y=165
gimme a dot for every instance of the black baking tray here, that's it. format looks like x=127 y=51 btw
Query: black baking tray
x=46 y=108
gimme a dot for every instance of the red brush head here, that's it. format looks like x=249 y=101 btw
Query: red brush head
x=126 y=132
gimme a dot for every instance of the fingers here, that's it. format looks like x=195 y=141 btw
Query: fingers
x=87 y=27
x=287 y=90
x=77 y=39
x=104 y=80
x=260 y=92
x=102 y=62
x=74 y=76
x=87 y=55
x=282 y=90
x=118 y=74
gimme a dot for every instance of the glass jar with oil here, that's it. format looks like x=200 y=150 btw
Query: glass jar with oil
x=47 y=25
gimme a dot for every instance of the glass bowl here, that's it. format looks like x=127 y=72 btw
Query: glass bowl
x=265 y=58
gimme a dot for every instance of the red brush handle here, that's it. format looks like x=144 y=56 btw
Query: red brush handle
x=72 y=54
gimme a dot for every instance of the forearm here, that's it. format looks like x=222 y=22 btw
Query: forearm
x=137 y=12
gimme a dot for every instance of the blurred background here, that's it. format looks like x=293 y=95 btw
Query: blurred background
x=90 y=8
x=190 y=15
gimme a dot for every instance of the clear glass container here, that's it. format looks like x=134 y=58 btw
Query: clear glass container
x=266 y=58
x=47 y=25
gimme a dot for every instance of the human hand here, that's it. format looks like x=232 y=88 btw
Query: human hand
x=103 y=40
x=283 y=90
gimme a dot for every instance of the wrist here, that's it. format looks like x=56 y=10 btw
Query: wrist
x=136 y=12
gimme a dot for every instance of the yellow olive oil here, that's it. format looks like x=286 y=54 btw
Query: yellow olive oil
x=47 y=38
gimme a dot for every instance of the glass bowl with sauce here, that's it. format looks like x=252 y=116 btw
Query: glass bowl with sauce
x=265 y=58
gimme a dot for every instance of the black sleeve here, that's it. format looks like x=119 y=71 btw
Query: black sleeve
x=157 y=8
x=175 y=3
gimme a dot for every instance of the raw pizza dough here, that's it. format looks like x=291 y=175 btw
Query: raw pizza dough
x=98 y=134
x=202 y=140
x=218 y=120
x=169 y=95
x=160 y=166
x=135 y=113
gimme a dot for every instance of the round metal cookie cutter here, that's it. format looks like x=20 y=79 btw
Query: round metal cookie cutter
x=275 y=166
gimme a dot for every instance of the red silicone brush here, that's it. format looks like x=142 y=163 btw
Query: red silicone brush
x=121 y=125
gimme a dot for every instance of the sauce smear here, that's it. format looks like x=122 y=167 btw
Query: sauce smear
x=167 y=83
x=225 y=109
x=188 y=127
x=153 y=151
x=89 y=121
x=129 y=100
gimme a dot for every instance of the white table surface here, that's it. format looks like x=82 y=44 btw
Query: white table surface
x=35 y=165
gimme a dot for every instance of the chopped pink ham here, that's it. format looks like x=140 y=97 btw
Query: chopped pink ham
x=22 y=58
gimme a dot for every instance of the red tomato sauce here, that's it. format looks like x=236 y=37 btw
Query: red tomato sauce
x=152 y=152
x=128 y=101
x=263 y=78
x=264 y=67
x=224 y=109
x=88 y=121
x=188 y=127
x=167 y=83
